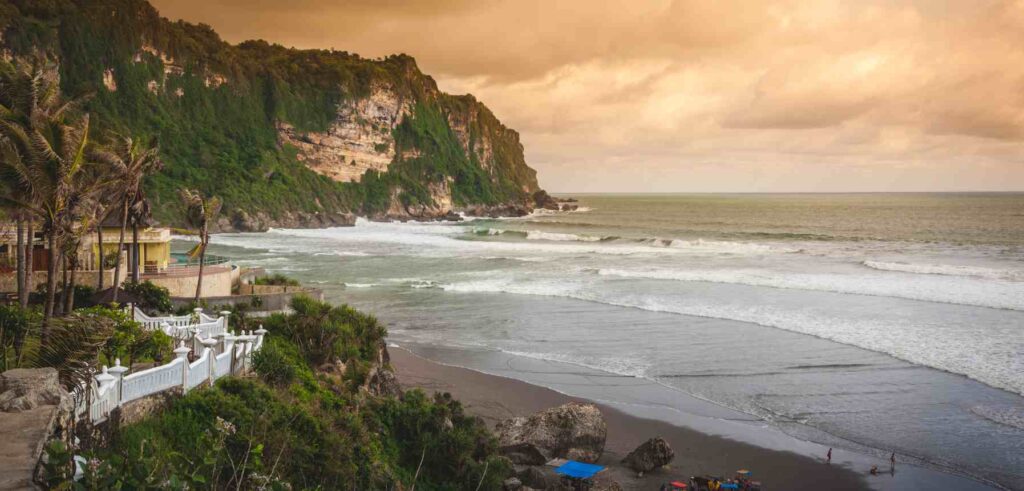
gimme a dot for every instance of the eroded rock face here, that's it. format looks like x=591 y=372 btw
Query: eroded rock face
x=573 y=431
x=243 y=221
x=650 y=455
x=360 y=138
x=23 y=389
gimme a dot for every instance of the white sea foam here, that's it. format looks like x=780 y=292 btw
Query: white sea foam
x=360 y=285
x=557 y=237
x=629 y=367
x=978 y=352
x=961 y=291
x=1006 y=416
x=948 y=270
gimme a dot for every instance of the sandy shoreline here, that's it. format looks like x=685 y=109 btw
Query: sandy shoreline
x=496 y=398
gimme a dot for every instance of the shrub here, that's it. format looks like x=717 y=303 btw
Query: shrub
x=129 y=339
x=14 y=328
x=277 y=361
x=152 y=298
x=276 y=279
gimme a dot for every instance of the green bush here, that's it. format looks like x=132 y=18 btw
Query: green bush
x=276 y=279
x=15 y=324
x=324 y=333
x=130 y=342
x=277 y=362
x=153 y=299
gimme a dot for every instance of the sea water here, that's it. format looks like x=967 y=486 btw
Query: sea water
x=879 y=322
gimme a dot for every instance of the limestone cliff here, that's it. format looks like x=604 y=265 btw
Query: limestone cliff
x=286 y=137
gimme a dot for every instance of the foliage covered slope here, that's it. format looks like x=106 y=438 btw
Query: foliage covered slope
x=215 y=108
x=299 y=426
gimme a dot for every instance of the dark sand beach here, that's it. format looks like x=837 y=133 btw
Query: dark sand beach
x=496 y=398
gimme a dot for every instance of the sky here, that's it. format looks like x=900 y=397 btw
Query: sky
x=704 y=96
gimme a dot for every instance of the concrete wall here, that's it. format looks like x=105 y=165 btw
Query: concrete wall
x=217 y=281
x=86 y=278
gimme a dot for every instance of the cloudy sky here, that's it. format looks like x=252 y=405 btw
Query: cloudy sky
x=704 y=96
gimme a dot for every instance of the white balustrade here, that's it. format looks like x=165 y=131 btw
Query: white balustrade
x=152 y=380
x=222 y=354
x=199 y=370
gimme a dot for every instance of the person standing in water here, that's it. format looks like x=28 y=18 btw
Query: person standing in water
x=892 y=462
x=828 y=457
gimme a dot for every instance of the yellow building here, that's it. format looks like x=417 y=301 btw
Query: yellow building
x=154 y=249
x=156 y=264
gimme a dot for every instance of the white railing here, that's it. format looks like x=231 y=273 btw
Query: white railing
x=174 y=324
x=199 y=370
x=222 y=353
x=151 y=381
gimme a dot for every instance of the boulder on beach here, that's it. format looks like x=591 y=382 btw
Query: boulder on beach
x=573 y=431
x=539 y=477
x=650 y=455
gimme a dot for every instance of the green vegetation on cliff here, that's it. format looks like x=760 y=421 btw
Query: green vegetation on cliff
x=302 y=426
x=215 y=108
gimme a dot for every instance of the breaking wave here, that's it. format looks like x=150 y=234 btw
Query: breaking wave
x=975 y=293
x=947 y=270
x=913 y=343
x=1006 y=416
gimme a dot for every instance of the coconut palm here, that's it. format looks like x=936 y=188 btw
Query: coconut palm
x=131 y=160
x=37 y=125
x=200 y=213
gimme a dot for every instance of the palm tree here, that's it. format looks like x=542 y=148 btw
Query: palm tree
x=36 y=125
x=200 y=212
x=131 y=160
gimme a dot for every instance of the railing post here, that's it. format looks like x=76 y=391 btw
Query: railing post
x=222 y=339
x=261 y=334
x=103 y=380
x=182 y=352
x=211 y=362
x=234 y=342
x=118 y=372
x=226 y=314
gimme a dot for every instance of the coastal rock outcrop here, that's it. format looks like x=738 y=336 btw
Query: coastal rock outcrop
x=24 y=389
x=243 y=221
x=541 y=199
x=574 y=431
x=650 y=455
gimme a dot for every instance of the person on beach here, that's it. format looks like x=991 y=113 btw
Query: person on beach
x=828 y=457
x=874 y=470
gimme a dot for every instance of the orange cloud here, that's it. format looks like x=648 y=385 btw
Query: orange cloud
x=704 y=95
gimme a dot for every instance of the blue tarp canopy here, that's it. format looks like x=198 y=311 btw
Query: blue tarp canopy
x=578 y=470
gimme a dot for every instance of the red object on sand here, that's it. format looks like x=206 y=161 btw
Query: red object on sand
x=678 y=485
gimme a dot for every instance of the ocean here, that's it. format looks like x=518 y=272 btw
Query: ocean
x=867 y=322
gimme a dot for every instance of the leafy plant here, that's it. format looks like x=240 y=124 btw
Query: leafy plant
x=276 y=279
x=15 y=324
x=153 y=299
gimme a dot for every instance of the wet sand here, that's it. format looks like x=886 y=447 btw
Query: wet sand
x=494 y=398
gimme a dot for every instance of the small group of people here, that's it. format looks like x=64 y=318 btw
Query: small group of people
x=874 y=468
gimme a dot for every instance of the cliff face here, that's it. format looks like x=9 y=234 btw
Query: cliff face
x=359 y=139
x=285 y=137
